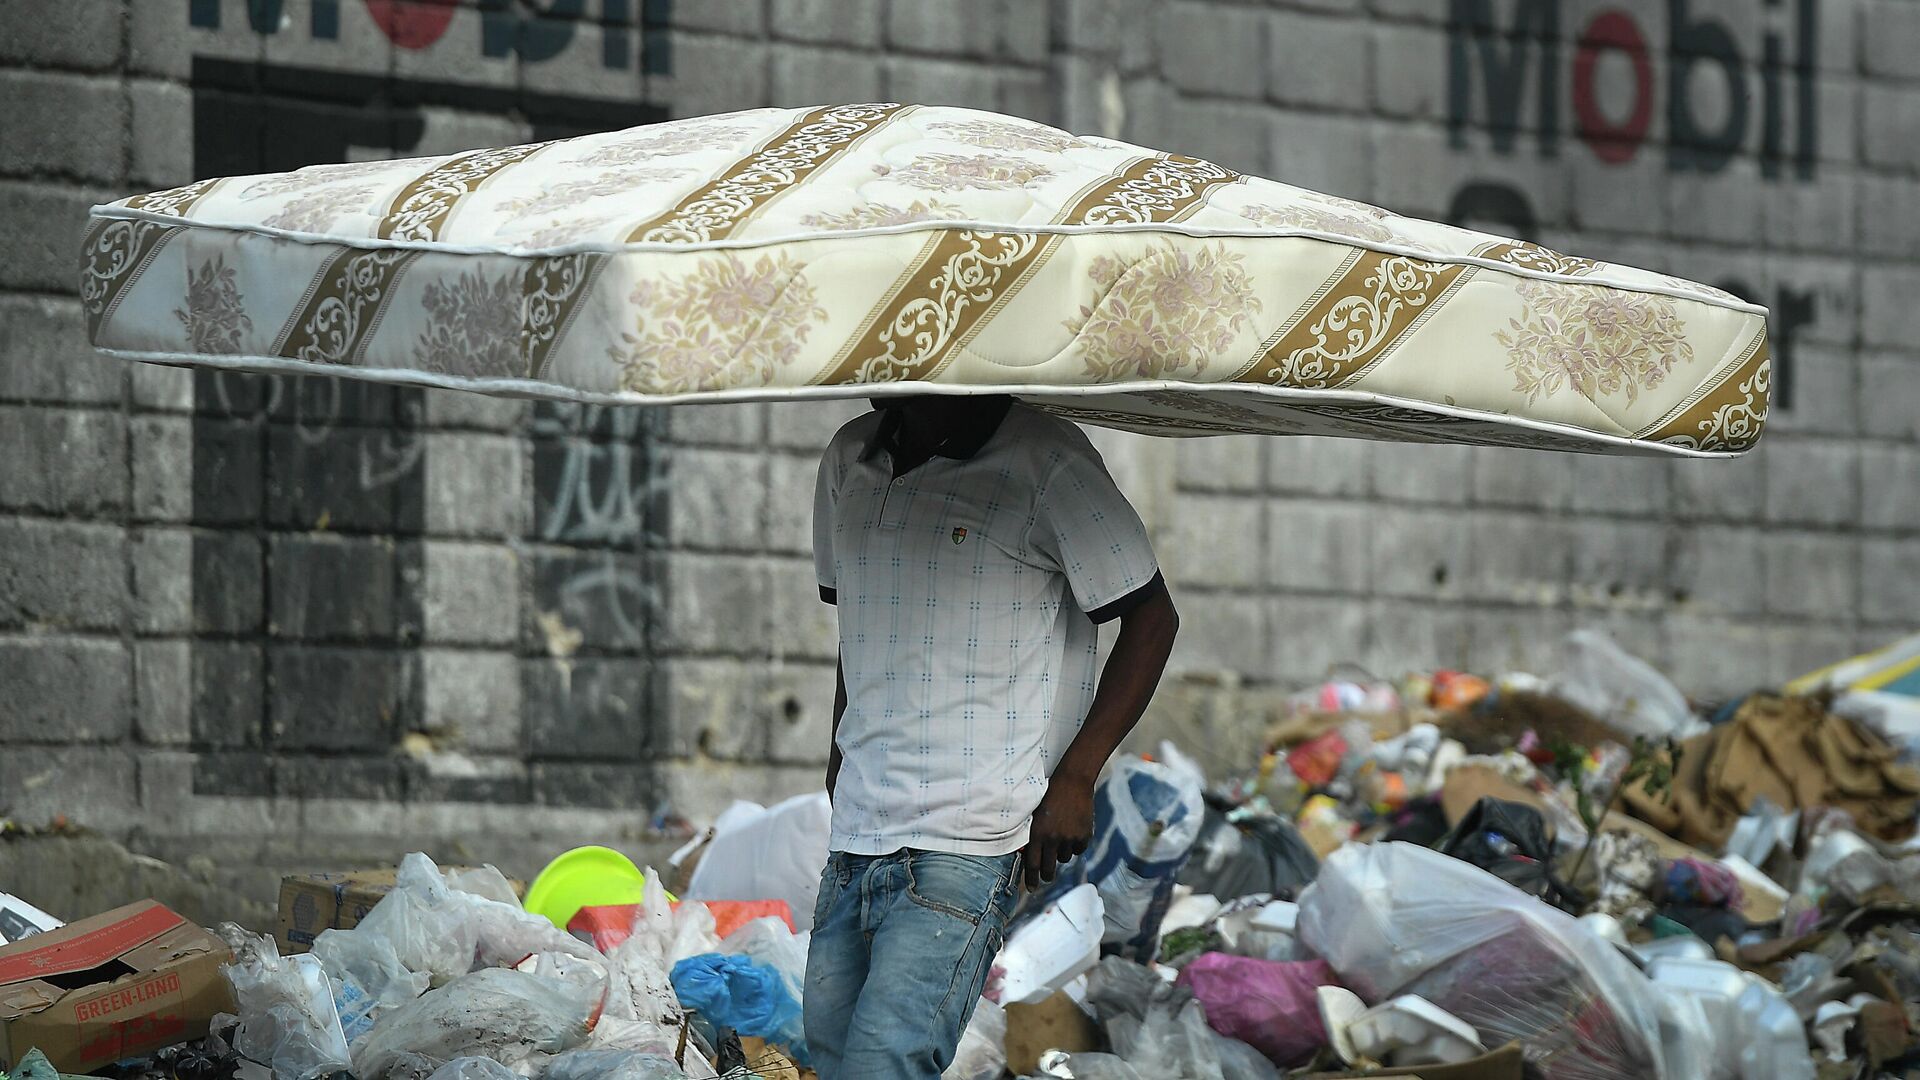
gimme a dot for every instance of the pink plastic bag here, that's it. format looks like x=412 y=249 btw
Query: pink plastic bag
x=1268 y=1004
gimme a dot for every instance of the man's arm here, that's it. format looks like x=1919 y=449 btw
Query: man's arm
x=1063 y=824
x=833 y=740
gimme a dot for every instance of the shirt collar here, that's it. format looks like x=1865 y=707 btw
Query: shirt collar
x=973 y=422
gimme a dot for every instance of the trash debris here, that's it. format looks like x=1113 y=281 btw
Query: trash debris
x=498 y=1013
x=732 y=990
x=982 y=1053
x=1407 y=1030
x=20 y=920
x=775 y=853
x=288 y=1020
x=1267 y=1004
x=1058 y=1023
x=1049 y=950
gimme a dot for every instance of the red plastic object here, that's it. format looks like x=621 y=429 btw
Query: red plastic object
x=609 y=924
x=1317 y=761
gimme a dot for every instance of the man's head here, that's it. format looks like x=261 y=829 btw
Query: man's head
x=928 y=421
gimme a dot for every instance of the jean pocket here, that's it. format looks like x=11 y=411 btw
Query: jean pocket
x=829 y=888
x=963 y=886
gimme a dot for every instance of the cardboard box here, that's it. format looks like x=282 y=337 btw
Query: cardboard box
x=310 y=903
x=115 y=986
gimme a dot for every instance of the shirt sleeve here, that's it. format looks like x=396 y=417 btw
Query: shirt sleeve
x=826 y=492
x=1088 y=529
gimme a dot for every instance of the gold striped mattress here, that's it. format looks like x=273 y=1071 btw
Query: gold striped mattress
x=862 y=250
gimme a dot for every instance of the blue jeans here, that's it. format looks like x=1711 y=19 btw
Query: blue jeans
x=900 y=952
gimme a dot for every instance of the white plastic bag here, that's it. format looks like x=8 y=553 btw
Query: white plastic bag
x=474 y=1068
x=612 y=1065
x=767 y=941
x=640 y=998
x=772 y=855
x=368 y=978
x=1396 y=918
x=499 y=1013
x=982 y=1053
x=447 y=932
x=1622 y=689
x=484 y=881
x=287 y=1018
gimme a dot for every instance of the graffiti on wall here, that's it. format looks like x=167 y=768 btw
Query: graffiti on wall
x=1506 y=78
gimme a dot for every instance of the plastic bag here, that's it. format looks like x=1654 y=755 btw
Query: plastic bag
x=1060 y=1065
x=1156 y=1027
x=484 y=881
x=1256 y=854
x=1509 y=841
x=639 y=987
x=768 y=941
x=982 y=1053
x=1622 y=689
x=474 y=1068
x=368 y=978
x=287 y=1017
x=1146 y=816
x=774 y=854
x=446 y=932
x=612 y=1065
x=499 y=1013
x=1399 y=919
x=1266 y=1004
x=734 y=991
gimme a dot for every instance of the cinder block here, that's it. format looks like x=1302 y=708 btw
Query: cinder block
x=1889 y=384
x=852 y=23
x=86 y=35
x=341 y=700
x=1229 y=638
x=92 y=786
x=475 y=485
x=1519 y=559
x=162 y=41
x=64 y=125
x=472 y=593
x=579 y=67
x=1890 y=487
x=1719 y=571
x=809 y=425
x=715 y=604
x=1421 y=553
x=735 y=424
x=593 y=601
x=1889 y=116
x=1799 y=648
x=1833 y=287
x=1888 y=316
x=332 y=588
x=1720 y=490
x=162 y=462
x=713 y=709
x=718 y=499
x=797 y=700
x=1889 y=581
x=229 y=695
x=163 y=692
x=44 y=225
x=44 y=355
x=1813 y=482
x=1618 y=485
x=1820 y=215
x=739 y=20
x=1212 y=49
x=558 y=783
x=1410 y=70
x=459 y=409
x=1887 y=225
x=1317 y=61
x=229 y=582
x=1826 y=387
x=61 y=575
x=1319 y=546
x=590 y=708
x=932 y=26
x=65 y=690
x=1722 y=207
x=1414 y=636
x=1811 y=574
x=1717 y=657
x=701 y=790
x=1409 y=10
x=162 y=563
x=1312 y=636
x=458 y=56
x=1405 y=472
x=1028 y=92
x=1537 y=479
x=1890 y=39
x=474 y=697
x=1614 y=198
x=1518 y=639
x=790 y=490
x=1237 y=135
x=592 y=493
x=63 y=461
x=800 y=626
x=1306 y=465
x=1620 y=566
x=364 y=778
x=941 y=82
x=1214 y=541
x=160 y=388
x=716 y=74
x=159 y=154
x=1228 y=463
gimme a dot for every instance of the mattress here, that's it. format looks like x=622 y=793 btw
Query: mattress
x=864 y=250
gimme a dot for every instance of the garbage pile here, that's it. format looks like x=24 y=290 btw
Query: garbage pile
x=1476 y=877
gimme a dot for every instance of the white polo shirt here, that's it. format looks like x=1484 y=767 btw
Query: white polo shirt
x=963 y=590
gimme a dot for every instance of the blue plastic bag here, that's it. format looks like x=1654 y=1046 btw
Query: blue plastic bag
x=733 y=991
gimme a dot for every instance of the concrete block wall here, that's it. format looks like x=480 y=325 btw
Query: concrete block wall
x=286 y=621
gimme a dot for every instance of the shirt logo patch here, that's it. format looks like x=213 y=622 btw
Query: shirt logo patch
x=959 y=536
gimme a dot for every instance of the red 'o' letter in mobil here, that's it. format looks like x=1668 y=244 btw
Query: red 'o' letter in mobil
x=1612 y=142
x=412 y=24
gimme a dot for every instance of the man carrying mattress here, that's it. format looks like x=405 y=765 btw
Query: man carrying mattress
x=971 y=546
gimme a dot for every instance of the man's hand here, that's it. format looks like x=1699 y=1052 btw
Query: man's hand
x=1062 y=828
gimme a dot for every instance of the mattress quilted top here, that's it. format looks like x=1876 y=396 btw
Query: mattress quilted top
x=862 y=250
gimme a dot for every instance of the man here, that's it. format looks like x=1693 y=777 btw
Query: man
x=971 y=545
